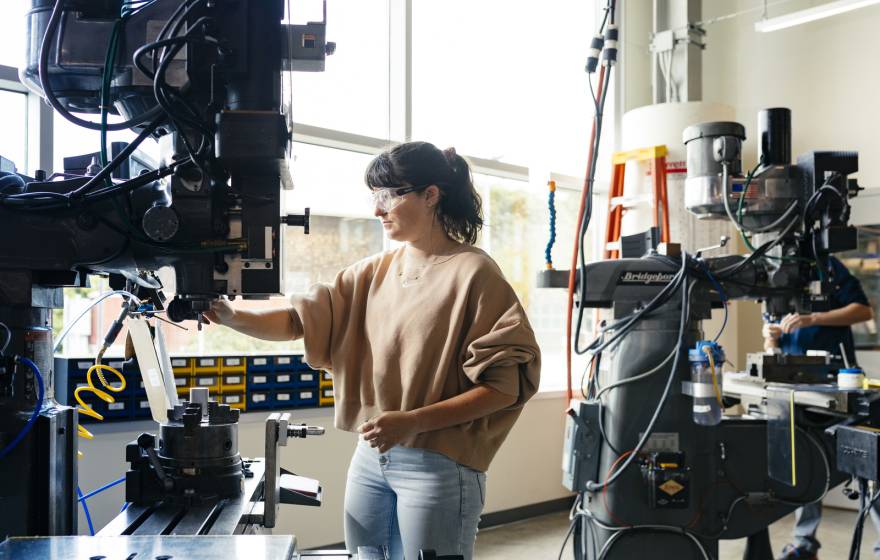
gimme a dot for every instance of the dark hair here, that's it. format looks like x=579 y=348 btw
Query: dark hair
x=418 y=164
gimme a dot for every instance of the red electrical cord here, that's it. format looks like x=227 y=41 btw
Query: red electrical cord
x=572 y=274
x=616 y=521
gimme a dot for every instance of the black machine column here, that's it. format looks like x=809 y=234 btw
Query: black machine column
x=38 y=474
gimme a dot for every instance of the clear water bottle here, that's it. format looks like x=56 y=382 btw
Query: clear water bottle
x=707 y=362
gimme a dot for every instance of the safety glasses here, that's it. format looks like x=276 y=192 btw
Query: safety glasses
x=386 y=199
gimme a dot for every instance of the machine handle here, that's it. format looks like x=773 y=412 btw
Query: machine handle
x=298 y=220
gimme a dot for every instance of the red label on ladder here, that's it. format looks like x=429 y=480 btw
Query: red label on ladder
x=672 y=168
x=676 y=167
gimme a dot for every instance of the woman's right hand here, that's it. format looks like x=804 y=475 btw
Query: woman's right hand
x=221 y=312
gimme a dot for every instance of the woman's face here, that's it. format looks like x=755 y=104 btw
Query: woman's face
x=410 y=216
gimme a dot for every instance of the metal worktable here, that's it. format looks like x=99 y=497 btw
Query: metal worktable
x=227 y=547
x=227 y=516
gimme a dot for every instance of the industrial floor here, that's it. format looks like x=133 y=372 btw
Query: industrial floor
x=541 y=538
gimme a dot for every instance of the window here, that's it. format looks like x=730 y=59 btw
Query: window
x=352 y=93
x=514 y=91
x=329 y=181
x=333 y=244
x=516 y=235
x=13 y=121
x=13 y=31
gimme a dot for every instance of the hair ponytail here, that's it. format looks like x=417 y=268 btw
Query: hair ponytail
x=460 y=210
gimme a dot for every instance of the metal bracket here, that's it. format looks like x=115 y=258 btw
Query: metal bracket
x=276 y=435
x=279 y=486
x=305 y=47
x=257 y=264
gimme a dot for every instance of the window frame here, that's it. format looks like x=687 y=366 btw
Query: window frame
x=39 y=128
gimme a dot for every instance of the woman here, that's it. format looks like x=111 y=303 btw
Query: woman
x=431 y=353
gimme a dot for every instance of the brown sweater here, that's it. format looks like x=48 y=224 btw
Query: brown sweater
x=401 y=347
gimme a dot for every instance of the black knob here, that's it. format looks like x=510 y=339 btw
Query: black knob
x=146 y=441
x=298 y=220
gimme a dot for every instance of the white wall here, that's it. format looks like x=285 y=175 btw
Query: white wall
x=526 y=470
x=825 y=71
x=635 y=56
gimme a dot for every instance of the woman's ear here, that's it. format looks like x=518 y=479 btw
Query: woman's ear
x=432 y=196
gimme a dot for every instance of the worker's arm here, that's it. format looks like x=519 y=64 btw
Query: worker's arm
x=390 y=428
x=846 y=316
x=268 y=324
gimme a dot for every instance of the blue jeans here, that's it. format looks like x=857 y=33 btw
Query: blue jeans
x=412 y=499
x=806 y=524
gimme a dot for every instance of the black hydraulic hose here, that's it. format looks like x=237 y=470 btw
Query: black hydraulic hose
x=35 y=200
x=120 y=157
x=101 y=194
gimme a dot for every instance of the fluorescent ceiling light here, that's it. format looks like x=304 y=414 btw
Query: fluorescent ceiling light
x=812 y=14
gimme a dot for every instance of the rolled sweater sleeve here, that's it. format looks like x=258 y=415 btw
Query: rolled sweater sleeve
x=501 y=351
x=323 y=315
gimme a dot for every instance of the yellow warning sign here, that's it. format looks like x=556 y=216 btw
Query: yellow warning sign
x=671 y=487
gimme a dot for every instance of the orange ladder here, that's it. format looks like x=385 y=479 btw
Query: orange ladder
x=656 y=155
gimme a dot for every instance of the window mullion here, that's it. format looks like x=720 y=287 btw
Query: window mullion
x=40 y=135
x=399 y=70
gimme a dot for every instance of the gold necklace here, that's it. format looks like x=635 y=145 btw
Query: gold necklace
x=410 y=275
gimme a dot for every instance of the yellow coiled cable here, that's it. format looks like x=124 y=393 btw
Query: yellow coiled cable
x=84 y=407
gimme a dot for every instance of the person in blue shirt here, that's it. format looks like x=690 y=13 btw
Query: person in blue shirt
x=824 y=331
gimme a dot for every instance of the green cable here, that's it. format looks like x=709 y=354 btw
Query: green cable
x=109 y=64
x=739 y=209
x=746 y=239
x=129 y=8
x=739 y=217
x=107 y=78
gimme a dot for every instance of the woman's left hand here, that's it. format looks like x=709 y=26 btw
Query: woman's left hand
x=388 y=429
